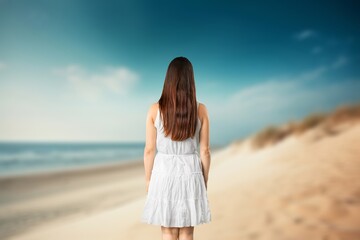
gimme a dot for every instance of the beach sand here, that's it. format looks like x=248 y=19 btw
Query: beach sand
x=304 y=187
x=29 y=200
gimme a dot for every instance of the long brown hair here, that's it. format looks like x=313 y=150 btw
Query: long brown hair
x=178 y=104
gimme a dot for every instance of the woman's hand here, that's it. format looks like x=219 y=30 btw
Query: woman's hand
x=205 y=181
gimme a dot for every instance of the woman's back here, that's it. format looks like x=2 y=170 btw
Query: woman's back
x=167 y=145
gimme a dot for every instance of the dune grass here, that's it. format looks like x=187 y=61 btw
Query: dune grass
x=273 y=134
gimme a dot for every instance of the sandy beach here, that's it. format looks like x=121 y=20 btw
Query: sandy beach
x=33 y=199
x=303 y=187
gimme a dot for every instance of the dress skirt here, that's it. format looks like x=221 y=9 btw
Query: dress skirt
x=177 y=195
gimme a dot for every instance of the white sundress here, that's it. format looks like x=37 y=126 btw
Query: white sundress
x=177 y=195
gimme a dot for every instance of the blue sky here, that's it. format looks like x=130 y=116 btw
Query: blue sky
x=89 y=70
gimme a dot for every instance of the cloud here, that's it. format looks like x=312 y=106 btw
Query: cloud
x=259 y=98
x=316 y=50
x=312 y=74
x=340 y=62
x=277 y=91
x=305 y=34
x=280 y=99
x=91 y=86
x=3 y=66
x=52 y=112
x=273 y=93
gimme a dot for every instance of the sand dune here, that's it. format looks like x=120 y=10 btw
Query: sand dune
x=305 y=186
x=298 y=189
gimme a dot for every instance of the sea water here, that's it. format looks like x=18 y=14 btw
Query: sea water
x=25 y=157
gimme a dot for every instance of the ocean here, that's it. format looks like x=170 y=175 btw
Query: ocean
x=26 y=157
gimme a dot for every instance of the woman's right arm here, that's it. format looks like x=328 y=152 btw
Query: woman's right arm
x=204 y=142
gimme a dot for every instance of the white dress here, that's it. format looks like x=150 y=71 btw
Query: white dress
x=177 y=195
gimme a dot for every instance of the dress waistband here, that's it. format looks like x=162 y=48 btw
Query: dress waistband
x=176 y=154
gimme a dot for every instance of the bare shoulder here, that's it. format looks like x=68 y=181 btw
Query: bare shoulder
x=154 y=106
x=203 y=112
x=153 y=110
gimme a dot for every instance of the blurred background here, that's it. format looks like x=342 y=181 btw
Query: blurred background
x=77 y=78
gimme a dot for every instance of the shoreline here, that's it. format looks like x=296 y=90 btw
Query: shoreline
x=65 y=170
x=79 y=168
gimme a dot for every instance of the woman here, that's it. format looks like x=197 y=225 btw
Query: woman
x=176 y=177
